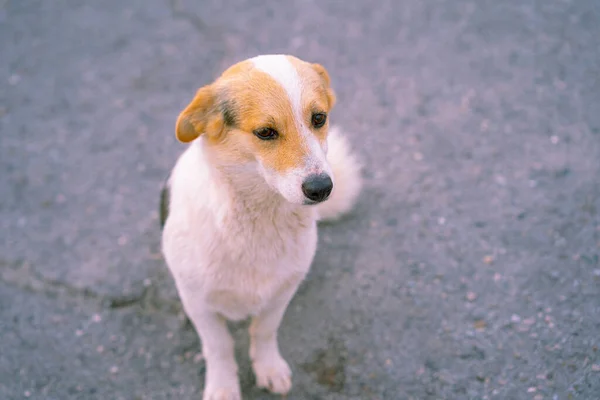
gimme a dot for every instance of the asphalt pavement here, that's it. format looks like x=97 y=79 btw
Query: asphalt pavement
x=469 y=269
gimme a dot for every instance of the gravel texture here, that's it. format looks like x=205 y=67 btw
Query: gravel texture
x=469 y=269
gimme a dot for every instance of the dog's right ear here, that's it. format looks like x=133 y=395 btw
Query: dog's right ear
x=200 y=116
x=327 y=81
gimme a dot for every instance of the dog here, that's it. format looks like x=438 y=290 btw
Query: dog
x=240 y=207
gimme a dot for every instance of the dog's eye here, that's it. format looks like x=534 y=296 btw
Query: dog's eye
x=266 y=133
x=318 y=119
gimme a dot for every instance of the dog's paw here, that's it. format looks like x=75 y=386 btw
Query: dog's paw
x=274 y=375
x=222 y=393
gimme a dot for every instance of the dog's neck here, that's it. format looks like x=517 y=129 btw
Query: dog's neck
x=248 y=192
x=248 y=187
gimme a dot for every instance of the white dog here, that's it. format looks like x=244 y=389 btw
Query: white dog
x=241 y=205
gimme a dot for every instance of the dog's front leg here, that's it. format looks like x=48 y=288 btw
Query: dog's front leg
x=271 y=370
x=221 y=381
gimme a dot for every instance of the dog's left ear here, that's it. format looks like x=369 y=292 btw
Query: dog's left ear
x=200 y=116
x=327 y=81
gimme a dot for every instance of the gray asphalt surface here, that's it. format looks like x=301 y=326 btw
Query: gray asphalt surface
x=469 y=270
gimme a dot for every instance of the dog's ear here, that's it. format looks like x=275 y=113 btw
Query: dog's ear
x=327 y=81
x=200 y=116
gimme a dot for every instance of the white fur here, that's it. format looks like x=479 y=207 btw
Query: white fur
x=346 y=169
x=237 y=248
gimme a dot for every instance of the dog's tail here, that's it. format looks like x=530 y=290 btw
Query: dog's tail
x=347 y=179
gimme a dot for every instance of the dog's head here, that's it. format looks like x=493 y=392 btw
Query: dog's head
x=271 y=111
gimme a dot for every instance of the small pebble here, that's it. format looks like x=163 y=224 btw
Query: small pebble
x=596 y=367
x=169 y=335
x=497 y=277
x=114 y=369
x=515 y=319
x=471 y=296
x=523 y=328
x=100 y=349
x=480 y=324
x=529 y=321
x=532 y=390
x=484 y=126
x=488 y=259
x=96 y=318
x=418 y=156
x=122 y=240
x=78 y=332
x=27 y=393
x=554 y=139
x=14 y=79
x=119 y=103
x=554 y=348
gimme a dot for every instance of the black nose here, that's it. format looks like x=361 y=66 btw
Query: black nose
x=317 y=187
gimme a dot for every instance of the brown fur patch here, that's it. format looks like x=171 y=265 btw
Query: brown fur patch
x=258 y=101
x=322 y=83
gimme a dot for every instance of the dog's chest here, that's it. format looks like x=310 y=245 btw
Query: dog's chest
x=256 y=260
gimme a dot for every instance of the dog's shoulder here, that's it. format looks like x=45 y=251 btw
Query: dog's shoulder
x=185 y=186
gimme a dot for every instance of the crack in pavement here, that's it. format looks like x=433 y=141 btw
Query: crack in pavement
x=179 y=13
x=215 y=33
x=212 y=32
x=21 y=275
